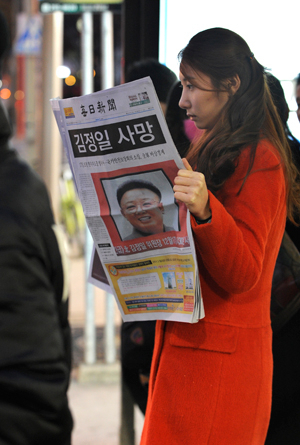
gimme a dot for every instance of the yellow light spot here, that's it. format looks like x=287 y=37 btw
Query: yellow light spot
x=19 y=95
x=5 y=93
x=70 y=81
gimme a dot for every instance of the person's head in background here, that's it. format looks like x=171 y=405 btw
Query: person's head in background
x=282 y=108
x=4 y=39
x=298 y=96
x=278 y=97
x=6 y=127
x=162 y=77
x=182 y=130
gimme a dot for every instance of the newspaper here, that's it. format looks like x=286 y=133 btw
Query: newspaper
x=124 y=163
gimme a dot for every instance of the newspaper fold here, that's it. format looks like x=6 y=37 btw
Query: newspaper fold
x=124 y=163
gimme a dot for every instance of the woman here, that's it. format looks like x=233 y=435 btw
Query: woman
x=211 y=382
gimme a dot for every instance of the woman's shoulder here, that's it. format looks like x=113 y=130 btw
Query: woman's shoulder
x=266 y=168
x=266 y=156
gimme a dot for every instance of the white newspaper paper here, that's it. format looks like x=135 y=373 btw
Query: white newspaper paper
x=124 y=163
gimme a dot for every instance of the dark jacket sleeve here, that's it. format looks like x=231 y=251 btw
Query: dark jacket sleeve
x=56 y=273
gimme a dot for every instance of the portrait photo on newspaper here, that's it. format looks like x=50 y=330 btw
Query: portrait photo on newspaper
x=139 y=206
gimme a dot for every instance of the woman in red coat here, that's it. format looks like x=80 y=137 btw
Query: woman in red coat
x=211 y=381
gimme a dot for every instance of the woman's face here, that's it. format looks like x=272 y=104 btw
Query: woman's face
x=203 y=106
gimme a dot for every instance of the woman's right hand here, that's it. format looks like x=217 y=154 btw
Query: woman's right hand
x=190 y=188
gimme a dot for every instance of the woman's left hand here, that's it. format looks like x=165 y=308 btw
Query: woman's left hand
x=190 y=188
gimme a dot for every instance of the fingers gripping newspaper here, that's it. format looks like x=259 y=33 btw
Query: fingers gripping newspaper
x=124 y=163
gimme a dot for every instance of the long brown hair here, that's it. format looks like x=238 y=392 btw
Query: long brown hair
x=248 y=116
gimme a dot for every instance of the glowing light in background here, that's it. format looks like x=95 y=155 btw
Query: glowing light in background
x=63 y=72
x=5 y=93
x=19 y=95
x=70 y=81
x=19 y=105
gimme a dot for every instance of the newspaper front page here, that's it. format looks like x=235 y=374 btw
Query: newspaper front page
x=124 y=163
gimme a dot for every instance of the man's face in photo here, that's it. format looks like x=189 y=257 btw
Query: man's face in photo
x=143 y=209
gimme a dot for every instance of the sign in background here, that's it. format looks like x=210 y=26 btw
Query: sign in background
x=29 y=34
x=77 y=6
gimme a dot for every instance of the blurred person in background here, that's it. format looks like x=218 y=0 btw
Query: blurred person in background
x=35 y=346
x=283 y=111
x=284 y=425
x=298 y=96
x=182 y=129
x=162 y=77
x=137 y=338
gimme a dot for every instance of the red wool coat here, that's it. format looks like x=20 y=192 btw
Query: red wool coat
x=211 y=381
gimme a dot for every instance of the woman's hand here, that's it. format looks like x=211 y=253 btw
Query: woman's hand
x=190 y=188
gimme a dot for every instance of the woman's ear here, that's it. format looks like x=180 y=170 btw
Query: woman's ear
x=234 y=84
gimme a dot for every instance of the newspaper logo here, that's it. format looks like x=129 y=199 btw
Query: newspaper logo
x=140 y=99
x=69 y=112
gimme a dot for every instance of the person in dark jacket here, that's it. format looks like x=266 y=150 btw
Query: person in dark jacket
x=284 y=425
x=35 y=353
x=283 y=111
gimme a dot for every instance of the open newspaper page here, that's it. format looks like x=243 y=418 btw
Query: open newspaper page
x=124 y=164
